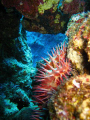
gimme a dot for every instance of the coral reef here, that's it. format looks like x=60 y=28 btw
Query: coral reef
x=39 y=15
x=16 y=70
x=50 y=75
x=54 y=14
x=48 y=4
x=72 y=6
x=28 y=8
x=79 y=41
x=15 y=80
x=45 y=16
x=72 y=100
x=63 y=79
x=48 y=23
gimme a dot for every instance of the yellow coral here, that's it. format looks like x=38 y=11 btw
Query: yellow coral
x=57 y=18
x=85 y=110
x=62 y=23
x=68 y=1
x=47 y=5
x=76 y=58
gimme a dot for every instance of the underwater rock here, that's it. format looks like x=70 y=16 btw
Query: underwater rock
x=72 y=6
x=40 y=15
x=48 y=23
x=16 y=74
x=26 y=113
x=28 y=8
x=79 y=42
x=32 y=9
x=46 y=16
x=9 y=24
x=17 y=63
x=10 y=108
x=16 y=70
x=72 y=100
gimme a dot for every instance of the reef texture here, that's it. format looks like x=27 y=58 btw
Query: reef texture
x=72 y=6
x=72 y=101
x=45 y=16
x=79 y=42
x=16 y=68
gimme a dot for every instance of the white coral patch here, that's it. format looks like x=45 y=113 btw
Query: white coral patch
x=76 y=83
x=76 y=17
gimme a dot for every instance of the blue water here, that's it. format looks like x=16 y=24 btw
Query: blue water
x=40 y=44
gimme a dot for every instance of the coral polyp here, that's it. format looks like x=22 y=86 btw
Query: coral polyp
x=51 y=74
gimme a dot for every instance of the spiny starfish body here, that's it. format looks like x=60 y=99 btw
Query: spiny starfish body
x=51 y=74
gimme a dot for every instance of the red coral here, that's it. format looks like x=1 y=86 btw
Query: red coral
x=52 y=74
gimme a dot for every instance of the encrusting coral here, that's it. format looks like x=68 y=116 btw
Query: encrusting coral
x=72 y=98
x=79 y=41
x=72 y=101
x=54 y=13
